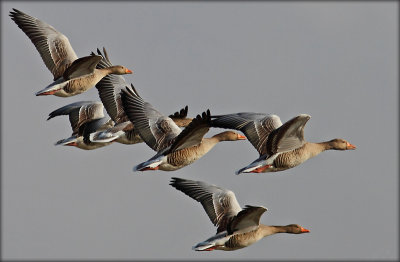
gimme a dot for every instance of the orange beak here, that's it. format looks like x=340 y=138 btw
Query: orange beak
x=128 y=71
x=303 y=230
x=240 y=137
x=350 y=146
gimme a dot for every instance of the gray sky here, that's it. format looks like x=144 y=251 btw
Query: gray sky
x=336 y=61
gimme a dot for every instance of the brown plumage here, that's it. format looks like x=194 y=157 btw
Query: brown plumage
x=175 y=148
x=186 y=156
x=237 y=227
x=109 y=89
x=87 y=121
x=299 y=155
x=280 y=146
x=72 y=75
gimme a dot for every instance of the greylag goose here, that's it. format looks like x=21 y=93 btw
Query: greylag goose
x=175 y=148
x=88 y=123
x=280 y=146
x=72 y=75
x=237 y=227
x=109 y=89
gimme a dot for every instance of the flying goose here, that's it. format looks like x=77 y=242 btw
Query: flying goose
x=87 y=122
x=281 y=146
x=236 y=227
x=72 y=75
x=175 y=148
x=109 y=89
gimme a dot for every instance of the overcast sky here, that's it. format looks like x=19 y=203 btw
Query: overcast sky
x=336 y=61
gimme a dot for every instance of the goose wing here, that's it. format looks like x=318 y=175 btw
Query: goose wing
x=255 y=126
x=54 y=47
x=93 y=126
x=156 y=130
x=80 y=113
x=82 y=66
x=248 y=219
x=180 y=114
x=109 y=88
x=287 y=137
x=219 y=203
x=193 y=134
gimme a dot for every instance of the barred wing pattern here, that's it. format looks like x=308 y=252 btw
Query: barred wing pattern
x=220 y=204
x=156 y=130
x=80 y=113
x=255 y=126
x=109 y=88
x=54 y=47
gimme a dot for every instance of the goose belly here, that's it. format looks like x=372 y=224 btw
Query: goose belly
x=81 y=84
x=179 y=159
x=288 y=160
x=124 y=139
x=91 y=146
x=242 y=240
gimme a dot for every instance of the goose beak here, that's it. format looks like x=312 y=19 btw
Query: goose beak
x=303 y=230
x=240 y=137
x=127 y=71
x=350 y=146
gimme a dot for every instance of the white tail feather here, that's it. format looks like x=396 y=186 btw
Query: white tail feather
x=56 y=85
x=202 y=247
x=151 y=163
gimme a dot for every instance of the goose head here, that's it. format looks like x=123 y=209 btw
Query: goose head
x=296 y=229
x=120 y=70
x=341 y=144
x=229 y=136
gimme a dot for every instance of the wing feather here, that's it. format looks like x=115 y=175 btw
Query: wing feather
x=81 y=66
x=255 y=126
x=109 y=88
x=220 y=204
x=79 y=113
x=156 y=130
x=54 y=47
x=193 y=134
x=289 y=136
x=248 y=219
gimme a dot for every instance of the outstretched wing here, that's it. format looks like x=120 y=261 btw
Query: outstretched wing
x=109 y=88
x=180 y=114
x=156 y=130
x=80 y=113
x=255 y=126
x=53 y=46
x=220 y=204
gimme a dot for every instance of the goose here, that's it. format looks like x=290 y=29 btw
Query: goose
x=88 y=123
x=72 y=75
x=281 y=146
x=236 y=227
x=109 y=88
x=175 y=148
